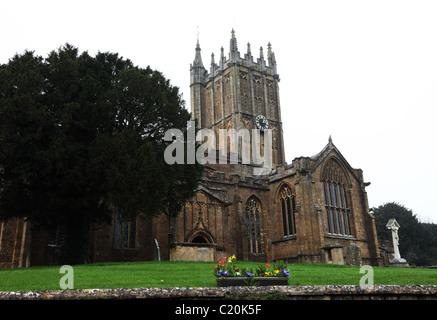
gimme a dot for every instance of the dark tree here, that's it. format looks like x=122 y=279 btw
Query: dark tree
x=404 y=216
x=80 y=135
x=417 y=241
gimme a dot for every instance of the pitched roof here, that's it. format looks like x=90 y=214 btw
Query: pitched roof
x=326 y=152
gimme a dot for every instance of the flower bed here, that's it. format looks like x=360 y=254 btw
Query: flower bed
x=251 y=281
x=229 y=274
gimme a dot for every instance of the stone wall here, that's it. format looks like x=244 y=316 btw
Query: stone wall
x=347 y=292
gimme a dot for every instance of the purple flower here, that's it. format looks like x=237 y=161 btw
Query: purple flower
x=249 y=274
x=219 y=273
x=226 y=273
x=286 y=272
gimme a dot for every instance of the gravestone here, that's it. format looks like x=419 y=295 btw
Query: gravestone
x=394 y=226
x=156 y=252
x=353 y=255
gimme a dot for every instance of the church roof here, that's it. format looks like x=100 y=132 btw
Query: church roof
x=327 y=151
x=212 y=194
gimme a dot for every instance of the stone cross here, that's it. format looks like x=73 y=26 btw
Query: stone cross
x=393 y=225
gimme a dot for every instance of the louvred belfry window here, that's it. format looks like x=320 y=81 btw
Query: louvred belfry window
x=337 y=209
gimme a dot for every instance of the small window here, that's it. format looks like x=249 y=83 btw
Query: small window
x=125 y=232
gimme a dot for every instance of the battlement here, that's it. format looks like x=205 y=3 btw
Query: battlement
x=233 y=178
x=201 y=75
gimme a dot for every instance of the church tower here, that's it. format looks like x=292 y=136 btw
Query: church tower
x=238 y=93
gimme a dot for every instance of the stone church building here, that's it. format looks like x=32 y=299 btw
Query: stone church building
x=312 y=210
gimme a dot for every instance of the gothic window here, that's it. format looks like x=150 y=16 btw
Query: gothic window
x=253 y=229
x=218 y=101
x=258 y=94
x=209 y=103
x=227 y=94
x=271 y=98
x=125 y=232
x=244 y=92
x=337 y=210
x=288 y=207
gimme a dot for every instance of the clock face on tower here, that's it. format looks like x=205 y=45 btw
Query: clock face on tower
x=261 y=122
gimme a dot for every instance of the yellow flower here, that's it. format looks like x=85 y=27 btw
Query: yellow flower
x=266 y=273
x=276 y=271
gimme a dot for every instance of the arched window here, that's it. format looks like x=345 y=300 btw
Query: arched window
x=288 y=207
x=337 y=209
x=125 y=232
x=253 y=229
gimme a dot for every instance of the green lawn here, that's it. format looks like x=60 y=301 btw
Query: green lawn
x=195 y=274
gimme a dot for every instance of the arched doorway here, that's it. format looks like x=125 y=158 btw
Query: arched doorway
x=199 y=239
x=201 y=236
x=198 y=246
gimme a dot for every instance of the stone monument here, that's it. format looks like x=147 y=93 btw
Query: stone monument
x=353 y=255
x=394 y=226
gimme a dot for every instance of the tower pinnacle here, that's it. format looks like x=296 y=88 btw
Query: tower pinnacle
x=198 y=58
x=233 y=45
x=234 y=55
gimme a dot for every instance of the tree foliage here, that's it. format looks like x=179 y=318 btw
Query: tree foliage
x=81 y=134
x=417 y=241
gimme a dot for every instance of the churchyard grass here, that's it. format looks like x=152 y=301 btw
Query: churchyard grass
x=195 y=274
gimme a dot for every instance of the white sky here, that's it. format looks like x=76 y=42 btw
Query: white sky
x=364 y=72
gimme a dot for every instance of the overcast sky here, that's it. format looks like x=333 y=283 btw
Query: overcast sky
x=364 y=72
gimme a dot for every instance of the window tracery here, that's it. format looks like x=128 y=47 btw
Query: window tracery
x=337 y=210
x=288 y=207
x=253 y=228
